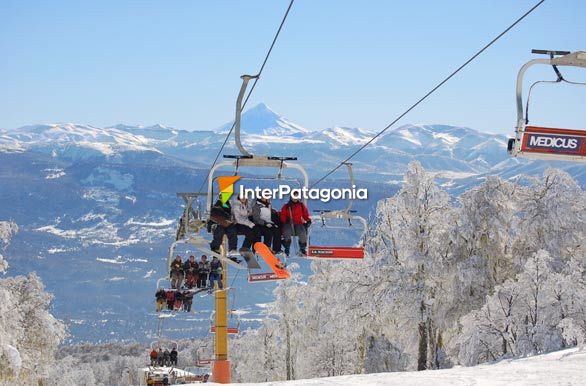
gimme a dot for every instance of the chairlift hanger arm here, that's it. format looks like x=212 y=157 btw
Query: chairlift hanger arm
x=575 y=59
x=245 y=80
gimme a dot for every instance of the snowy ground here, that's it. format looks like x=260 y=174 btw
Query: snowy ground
x=567 y=367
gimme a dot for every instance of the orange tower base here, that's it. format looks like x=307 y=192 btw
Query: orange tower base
x=221 y=371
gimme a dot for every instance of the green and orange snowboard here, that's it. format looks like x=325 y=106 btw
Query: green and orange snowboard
x=271 y=260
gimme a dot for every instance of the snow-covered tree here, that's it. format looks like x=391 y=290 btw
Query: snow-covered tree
x=538 y=311
x=501 y=272
x=27 y=327
x=29 y=334
x=7 y=230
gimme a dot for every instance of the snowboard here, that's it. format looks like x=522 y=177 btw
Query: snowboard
x=271 y=260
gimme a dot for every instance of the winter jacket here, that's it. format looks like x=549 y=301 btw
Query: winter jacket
x=191 y=267
x=216 y=266
x=154 y=354
x=173 y=355
x=299 y=212
x=161 y=295
x=176 y=266
x=261 y=213
x=166 y=354
x=170 y=296
x=204 y=268
x=241 y=212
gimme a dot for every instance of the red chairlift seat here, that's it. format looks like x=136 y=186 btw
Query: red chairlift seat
x=338 y=253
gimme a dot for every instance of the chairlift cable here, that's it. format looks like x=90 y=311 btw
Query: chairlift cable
x=433 y=90
x=251 y=90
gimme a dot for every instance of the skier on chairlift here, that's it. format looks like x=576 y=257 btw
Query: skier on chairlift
x=176 y=273
x=187 y=301
x=204 y=271
x=191 y=270
x=221 y=215
x=295 y=219
x=178 y=302
x=262 y=216
x=215 y=273
x=153 y=356
x=161 y=298
x=170 y=296
x=242 y=213
x=161 y=357
x=173 y=357
x=166 y=357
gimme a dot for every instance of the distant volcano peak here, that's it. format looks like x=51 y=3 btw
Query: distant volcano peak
x=261 y=120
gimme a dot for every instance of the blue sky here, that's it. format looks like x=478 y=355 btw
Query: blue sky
x=347 y=63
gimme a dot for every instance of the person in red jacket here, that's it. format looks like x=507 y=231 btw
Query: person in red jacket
x=295 y=219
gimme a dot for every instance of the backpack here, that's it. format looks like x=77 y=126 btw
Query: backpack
x=219 y=215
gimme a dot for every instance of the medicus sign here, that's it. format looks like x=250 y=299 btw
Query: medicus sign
x=554 y=141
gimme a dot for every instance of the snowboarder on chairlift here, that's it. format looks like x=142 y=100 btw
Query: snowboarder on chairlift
x=215 y=273
x=244 y=226
x=221 y=214
x=176 y=272
x=295 y=219
x=263 y=218
x=204 y=271
x=191 y=270
x=161 y=298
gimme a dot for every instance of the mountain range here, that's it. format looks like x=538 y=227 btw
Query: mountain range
x=97 y=206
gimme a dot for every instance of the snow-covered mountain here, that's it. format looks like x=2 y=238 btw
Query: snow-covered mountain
x=455 y=153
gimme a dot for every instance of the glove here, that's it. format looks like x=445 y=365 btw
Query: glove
x=269 y=225
x=308 y=223
x=251 y=226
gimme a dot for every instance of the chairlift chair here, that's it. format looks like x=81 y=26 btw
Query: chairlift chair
x=349 y=216
x=546 y=142
x=248 y=160
x=231 y=330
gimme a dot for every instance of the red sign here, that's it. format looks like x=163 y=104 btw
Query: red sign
x=343 y=253
x=552 y=141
